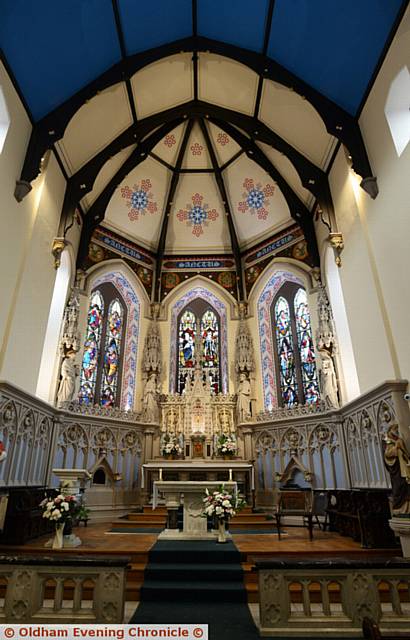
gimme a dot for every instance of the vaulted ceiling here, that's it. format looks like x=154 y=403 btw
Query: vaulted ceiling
x=195 y=126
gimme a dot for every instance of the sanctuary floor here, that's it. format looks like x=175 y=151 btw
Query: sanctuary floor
x=96 y=539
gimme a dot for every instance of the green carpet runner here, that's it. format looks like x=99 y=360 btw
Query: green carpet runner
x=196 y=583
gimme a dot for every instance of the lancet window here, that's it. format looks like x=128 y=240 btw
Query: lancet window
x=198 y=325
x=100 y=377
x=297 y=378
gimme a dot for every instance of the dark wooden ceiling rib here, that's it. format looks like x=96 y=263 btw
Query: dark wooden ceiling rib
x=298 y=210
x=170 y=198
x=224 y=197
x=121 y=40
x=312 y=177
x=338 y=122
x=96 y=212
x=265 y=45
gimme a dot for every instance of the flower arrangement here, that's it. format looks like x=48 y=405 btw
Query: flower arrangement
x=59 y=509
x=226 y=445
x=222 y=504
x=171 y=447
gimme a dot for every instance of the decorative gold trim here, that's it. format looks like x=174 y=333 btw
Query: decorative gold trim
x=337 y=243
x=59 y=244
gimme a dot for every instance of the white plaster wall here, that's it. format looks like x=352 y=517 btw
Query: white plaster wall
x=375 y=260
x=34 y=291
x=27 y=229
x=388 y=217
x=15 y=219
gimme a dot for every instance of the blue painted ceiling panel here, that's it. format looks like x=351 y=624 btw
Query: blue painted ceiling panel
x=56 y=48
x=150 y=24
x=237 y=22
x=333 y=46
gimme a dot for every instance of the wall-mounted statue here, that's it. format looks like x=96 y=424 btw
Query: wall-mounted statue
x=69 y=371
x=150 y=399
x=328 y=381
x=327 y=348
x=243 y=405
x=397 y=463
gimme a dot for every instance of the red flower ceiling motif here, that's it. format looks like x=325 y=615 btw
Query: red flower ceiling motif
x=222 y=139
x=169 y=140
x=196 y=149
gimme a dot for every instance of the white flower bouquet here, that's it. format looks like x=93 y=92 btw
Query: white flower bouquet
x=171 y=448
x=226 y=446
x=59 y=509
x=222 y=504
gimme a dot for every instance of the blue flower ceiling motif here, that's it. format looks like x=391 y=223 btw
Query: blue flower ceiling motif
x=198 y=215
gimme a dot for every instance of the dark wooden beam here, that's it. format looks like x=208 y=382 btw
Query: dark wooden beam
x=310 y=175
x=167 y=210
x=338 y=122
x=121 y=40
x=228 y=214
x=96 y=212
x=266 y=36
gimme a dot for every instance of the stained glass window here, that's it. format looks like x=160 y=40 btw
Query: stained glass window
x=100 y=378
x=201 y=322
x=210 y=346
x=284 y=341
x=306 y=348
x=113 y=337
x=88 y=376
x=186 y=347
x=296 y=366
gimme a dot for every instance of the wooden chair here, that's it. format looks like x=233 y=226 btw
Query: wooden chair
x=295 y=503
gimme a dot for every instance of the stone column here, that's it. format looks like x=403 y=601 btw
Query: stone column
x=148 y=442
x=247 y=441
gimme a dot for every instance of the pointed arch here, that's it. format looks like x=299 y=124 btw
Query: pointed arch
x=130 y=337
x=220 y=308
x=266 y=338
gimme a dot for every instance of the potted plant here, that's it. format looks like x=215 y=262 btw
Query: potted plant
x=171 y=448
x=226 y=446
x=222 y=505
x=60 y=510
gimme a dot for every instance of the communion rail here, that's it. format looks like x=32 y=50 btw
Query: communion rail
x=62 y=590
x=318 y=598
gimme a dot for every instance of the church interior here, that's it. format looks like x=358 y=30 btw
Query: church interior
x=204 y=224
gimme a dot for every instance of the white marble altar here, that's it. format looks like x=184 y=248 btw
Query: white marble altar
x=191 y=495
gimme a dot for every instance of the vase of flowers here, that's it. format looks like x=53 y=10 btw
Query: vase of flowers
x=59 y=510
x=171 y=448
x=221 y=505
x=226 y=446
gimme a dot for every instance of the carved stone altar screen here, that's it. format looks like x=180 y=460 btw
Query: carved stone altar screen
x=196 y=418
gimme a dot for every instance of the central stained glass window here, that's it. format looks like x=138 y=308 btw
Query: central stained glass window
x=199 y=319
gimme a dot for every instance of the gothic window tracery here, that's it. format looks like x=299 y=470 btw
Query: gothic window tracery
x=100 y=377
x=199 y=320
x=297 y=378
